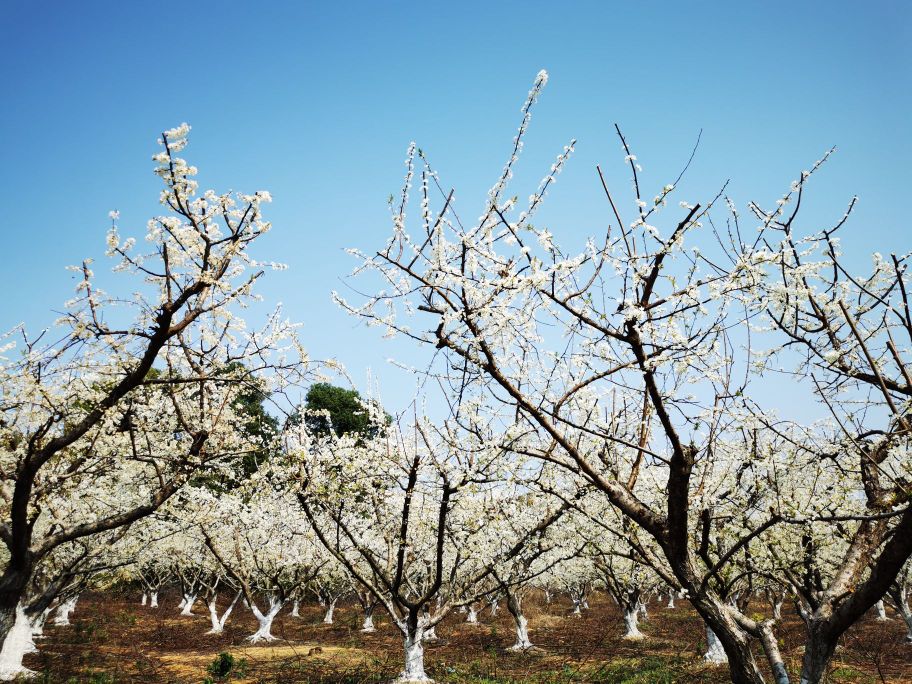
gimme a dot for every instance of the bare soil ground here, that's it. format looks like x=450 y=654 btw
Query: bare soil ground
x=115 y=640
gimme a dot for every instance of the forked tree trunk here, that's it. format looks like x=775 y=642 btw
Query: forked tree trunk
x=264 y=632
x=153 y=600
x=187 y=604
x=218 y=623
x=472 y=617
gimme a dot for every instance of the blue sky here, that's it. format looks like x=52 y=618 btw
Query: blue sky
x=317 y=103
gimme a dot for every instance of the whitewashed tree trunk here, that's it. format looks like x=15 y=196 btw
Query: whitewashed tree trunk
x=900 y=600
x=631 y=627
x=368 y=624
x=881 y=611
x=777 y=610
x=296 y=608
x=643 y=612
x=671 y=600
x=145 y=599
x=472 y=617
x=414 y=658
x=576 y=606
x=18 y=642
x=187 y=604
x=547 y=596
x=218 y=623
x=495 y=604
x=907 y=617
x=64 y=610
x=715 y=653
x=264 y=632
x=153 y=600
x=38 y=623
x=330 y=609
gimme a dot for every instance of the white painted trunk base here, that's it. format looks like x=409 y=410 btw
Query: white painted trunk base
x=153 y=600
x=472 y=617
x=715 y=654
x=296 y=608
x=414 y=660
x=64 y=610
x=632 y=630
x=145 y=599
x=881 y=611
x=186 y=605
x=522 y=635
x=18 y=642
x=264 y=632
x=368 y=624
x=330 y=609
x=218 y=623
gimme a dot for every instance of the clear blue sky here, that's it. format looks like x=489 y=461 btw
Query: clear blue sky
x=317 y=103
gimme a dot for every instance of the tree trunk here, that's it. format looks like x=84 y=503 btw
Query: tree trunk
x=187 y=604
x=881 y=611
x=671 y=600
x=414 y=657
x=218 y=623
x=12 y=589
x=631 y=628
x=145 y=599
x=17 y=643
x=64 y=610
x=472 y=617
x=514 y=605
x=330 y=609
x=296 y=608
x=264 y=633
x=368 y=624
x=817 y=654
x=153 y=600
x=900 y=602
x=715 y=652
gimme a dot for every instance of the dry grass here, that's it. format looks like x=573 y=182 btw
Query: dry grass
x=114 y=640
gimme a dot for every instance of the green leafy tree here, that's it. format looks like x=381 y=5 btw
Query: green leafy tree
x=343 y=411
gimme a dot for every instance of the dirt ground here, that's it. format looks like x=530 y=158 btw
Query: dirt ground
x=113 y=639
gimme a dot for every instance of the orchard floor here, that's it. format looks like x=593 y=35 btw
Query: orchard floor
x=114 y=640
